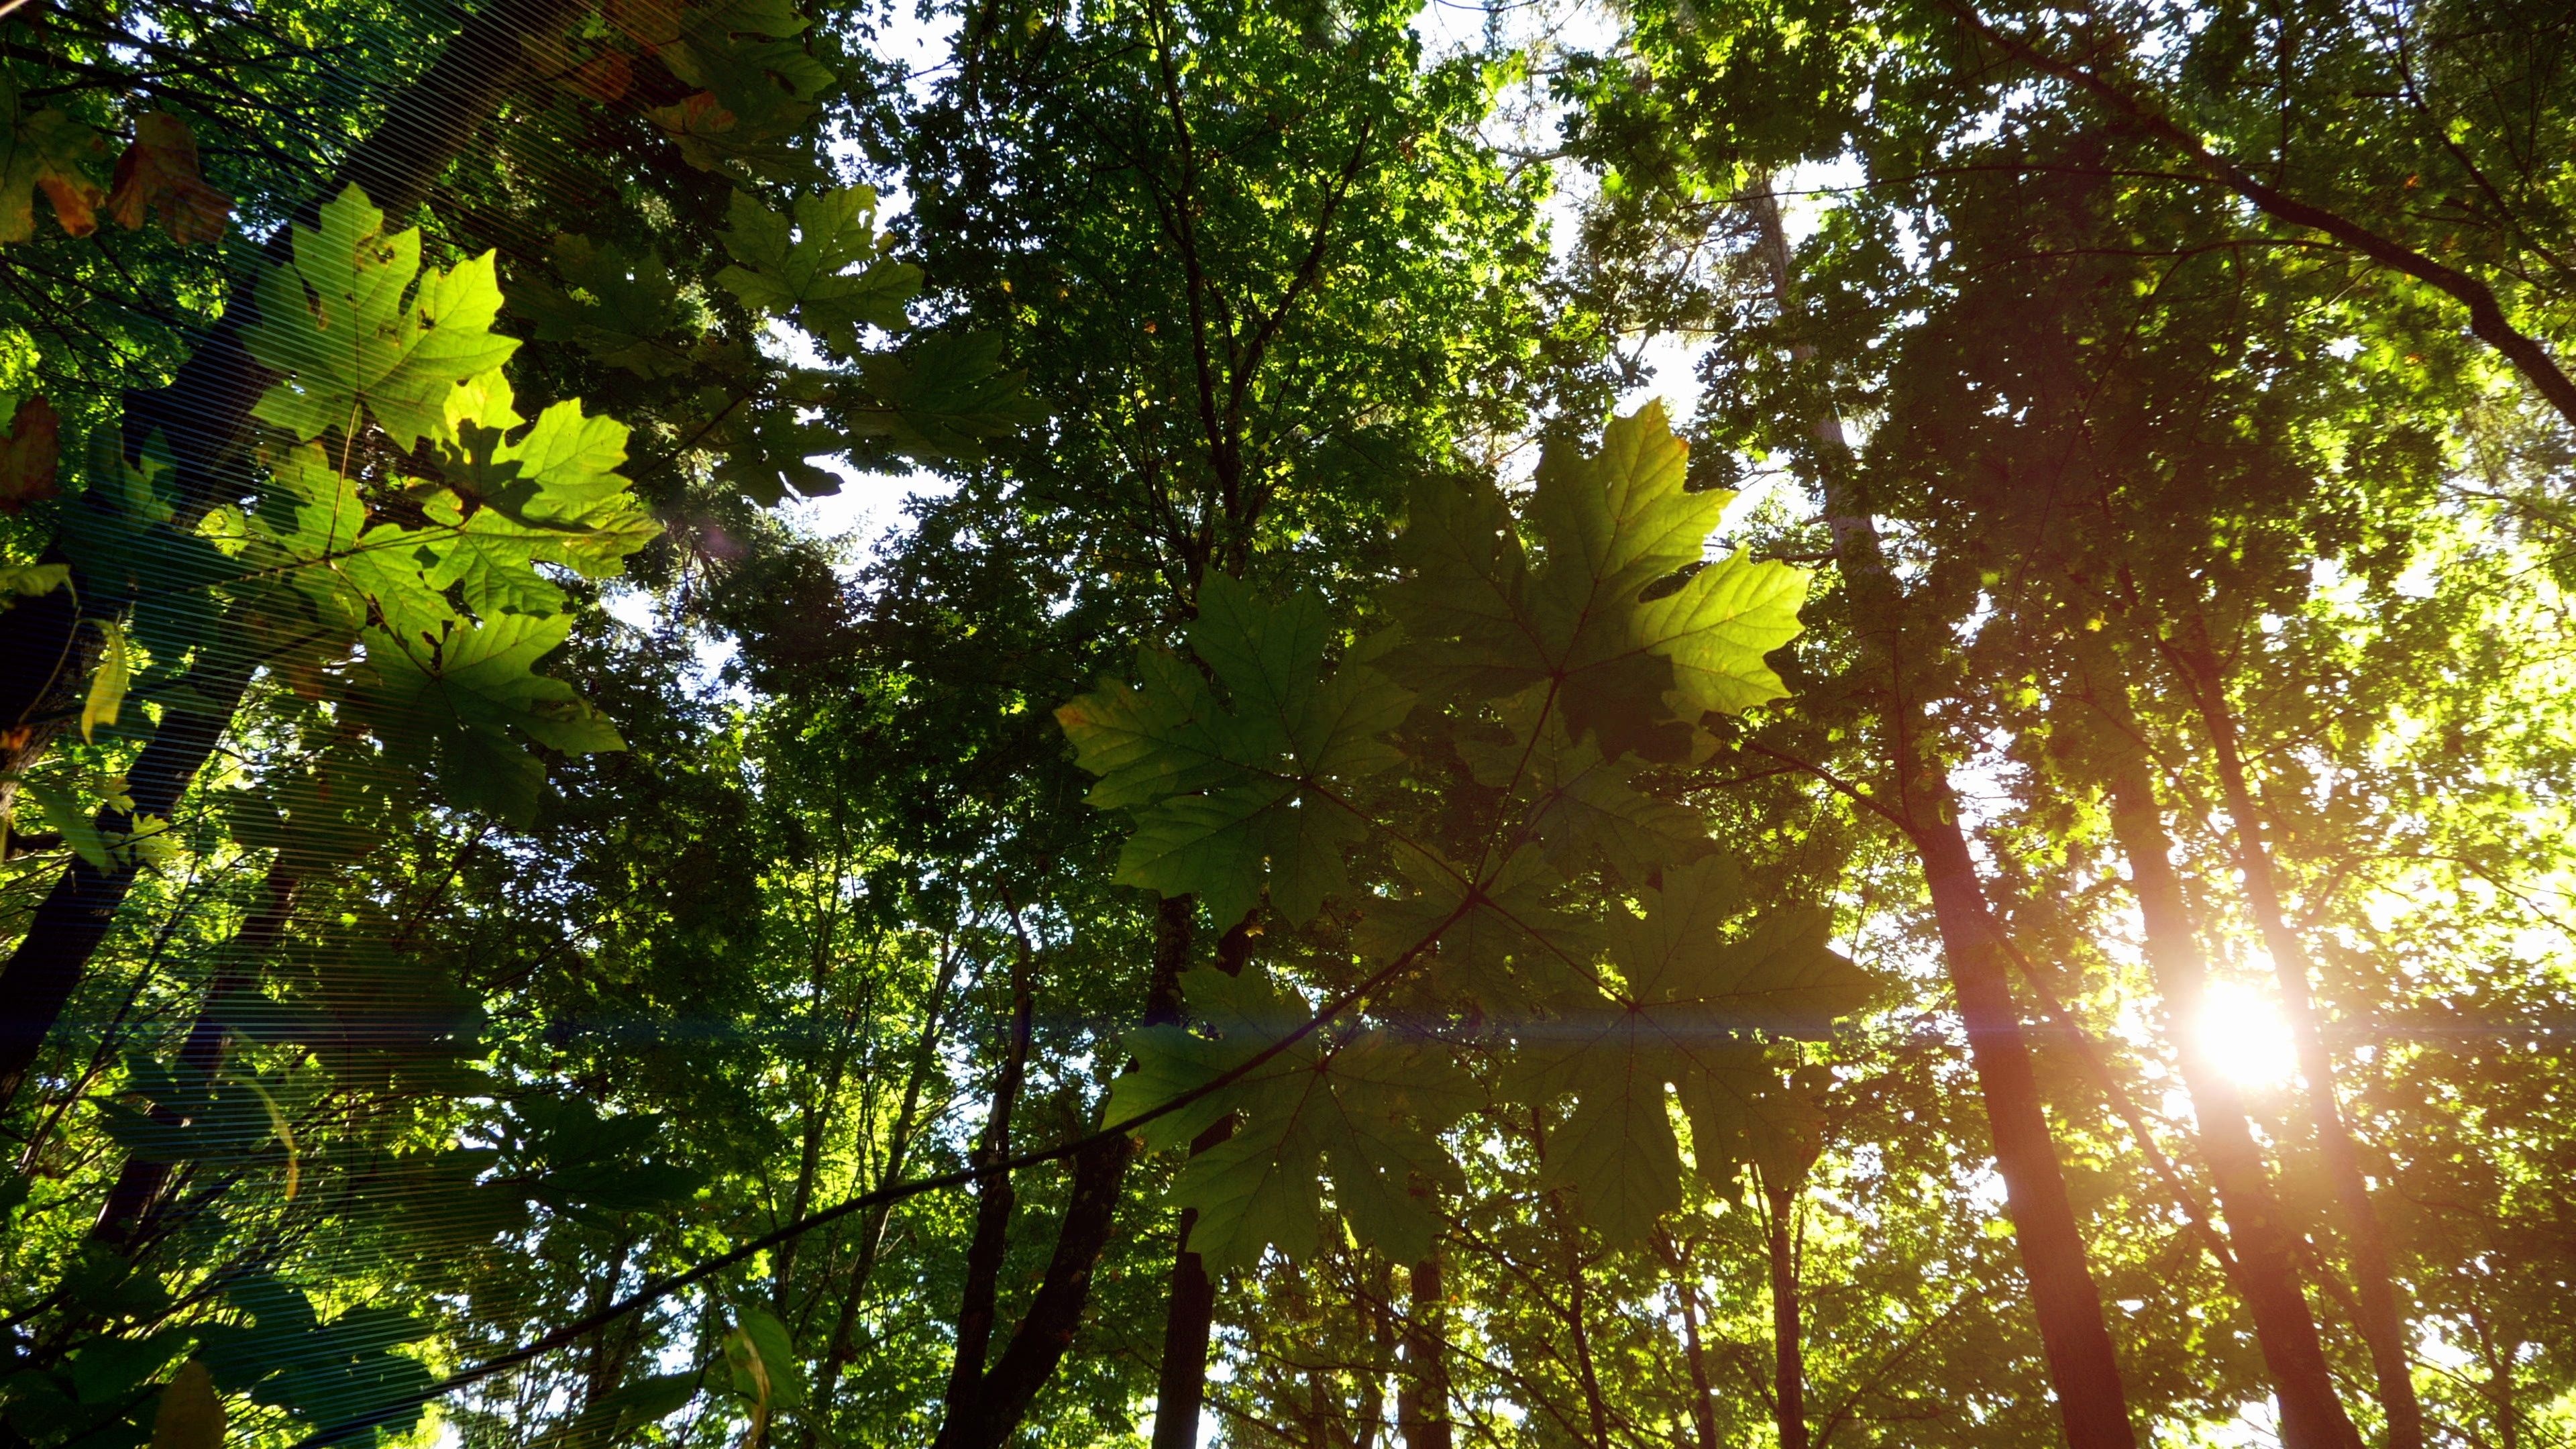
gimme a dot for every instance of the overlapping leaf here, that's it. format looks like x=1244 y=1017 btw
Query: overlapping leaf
x=830 y=270
x=357 y=326
x=1689 y=993
x=1487 y=623
x=45 y=150
x=463 y=697
x=1232 y=796
x=1359 y=1113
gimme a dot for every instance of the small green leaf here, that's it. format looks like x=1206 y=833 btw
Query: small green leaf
x=107 y=685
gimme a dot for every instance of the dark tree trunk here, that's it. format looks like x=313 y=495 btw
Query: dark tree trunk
x=1189 y=1318
x=1422 y=1394
x=985 y=1418
x=1788 y=1353
x=2383 y=1323
x=200 y=415
x=2266 y=1269
x=2083 y=1369
x=126 y=1218
x=994 y=1199
x=1694 y=1353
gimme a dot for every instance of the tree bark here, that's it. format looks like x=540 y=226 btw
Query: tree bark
x=2382 y=1320
x=201 y=414
x=2084 y=1371
x=125 y=1219
x=994 y=1199
x=2266 y=1272
x=985 y=1418
x=1422 y=1395
x=1189 y=1317
x=1695 y=1354
x=1788 y=1353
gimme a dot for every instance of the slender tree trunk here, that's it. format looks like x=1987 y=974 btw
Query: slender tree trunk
x=1382 y=1341
x=1788 y=1352
x=994 y=1199
x=2382 y=1320
x=816 y=1113
x=1703 y=1398
x=986 y=1418
x=1189 y=1317
x=872 y=1226
x=1577 y=1299
x=125 y=1219
x=2266 y=1272
x=2083 y=1369
x=1422 y=1394
x=201 y=414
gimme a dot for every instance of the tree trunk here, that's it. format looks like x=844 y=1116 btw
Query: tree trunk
x=994 y=1199
x=986 y=1418
x=2266 y=1274
x=1189 y=1318
x=1703 y=1398
x=873 y=1225
x=2083 y=1369
x=201 y=414
x=1788 y=1354
x=1422 y=1395
x=125 y=1219
x=2382 y=1321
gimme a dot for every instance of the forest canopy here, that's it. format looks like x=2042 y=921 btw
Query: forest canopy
x=788 y=724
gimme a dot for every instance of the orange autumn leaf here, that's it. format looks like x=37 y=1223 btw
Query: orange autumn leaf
x=29 y=454
x=159 y=171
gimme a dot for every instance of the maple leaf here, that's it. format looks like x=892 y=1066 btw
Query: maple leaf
x=618 y=307
x=45 y=151
x=29 y=455
x=943 y=396
x=159 y=172
x=1486 y=622
x=1688 y=993
x=349 y=328
x=461 y=697
x=1745 y=1112
x=1360 y=1113
x=1576 y=803
x=1230 y=799
x=551 y=496
x=829 y=270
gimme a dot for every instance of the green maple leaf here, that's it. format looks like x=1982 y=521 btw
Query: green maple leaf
x=355 y=324
x=460 y=699
x=624 y=310
x=1360 y=1113
x=1234 y=795
x=758 y=88
x=314 y=534
x=1506 y=953
x=1488 y=623
x=1744 y=1112
x=1688 y=996
x=829 y=271
x=1578 y=804
x=553 y=495
x=946 y=395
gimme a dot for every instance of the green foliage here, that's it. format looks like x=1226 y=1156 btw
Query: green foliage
x=355 y=325
x=1267 y=793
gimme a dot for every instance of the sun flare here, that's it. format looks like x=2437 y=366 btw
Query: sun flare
x=2246 y=1035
